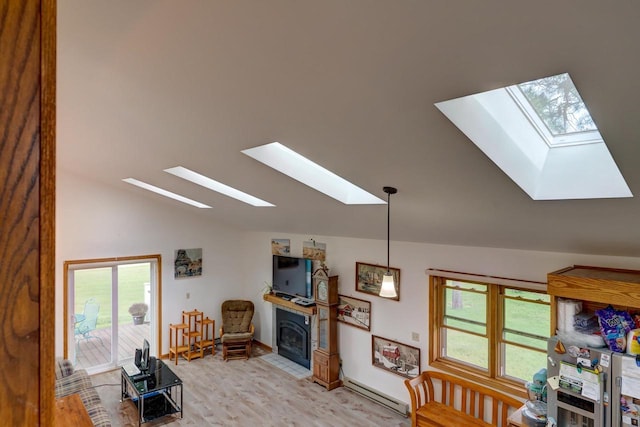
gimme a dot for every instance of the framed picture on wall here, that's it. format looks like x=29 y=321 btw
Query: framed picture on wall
x=187 y=263
x=369 y=278
x=280 y=247
x=354 y=311
x=401 y=359
x=314 y=250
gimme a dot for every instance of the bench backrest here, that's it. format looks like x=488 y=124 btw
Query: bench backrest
x=465 y=396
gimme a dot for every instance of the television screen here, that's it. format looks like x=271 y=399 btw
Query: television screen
x=292 y=276
x=144 y=359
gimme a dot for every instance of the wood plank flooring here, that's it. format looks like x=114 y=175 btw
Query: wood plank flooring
x=250 y=393
x=97 y=349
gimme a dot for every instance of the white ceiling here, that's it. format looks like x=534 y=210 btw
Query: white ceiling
x=351 y=84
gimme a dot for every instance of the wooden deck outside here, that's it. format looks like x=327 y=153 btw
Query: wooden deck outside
x=96 y=350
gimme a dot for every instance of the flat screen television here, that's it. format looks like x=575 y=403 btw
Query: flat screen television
x=292 y=276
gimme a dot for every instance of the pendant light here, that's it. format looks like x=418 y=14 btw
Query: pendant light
x=388 y=288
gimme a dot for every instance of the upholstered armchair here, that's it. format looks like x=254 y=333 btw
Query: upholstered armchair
x=237 y=330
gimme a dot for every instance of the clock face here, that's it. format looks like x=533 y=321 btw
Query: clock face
x=322 y=290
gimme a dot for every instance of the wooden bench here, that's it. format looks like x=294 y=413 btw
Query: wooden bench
x=456 y=402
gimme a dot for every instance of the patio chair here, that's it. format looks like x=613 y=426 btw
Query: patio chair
x=87 y=321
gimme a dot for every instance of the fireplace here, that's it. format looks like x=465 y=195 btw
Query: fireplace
x=293 y=335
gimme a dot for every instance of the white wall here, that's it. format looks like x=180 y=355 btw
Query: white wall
x=398 y=319
x=95 y=220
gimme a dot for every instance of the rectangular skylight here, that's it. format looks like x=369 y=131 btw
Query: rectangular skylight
x=216 y=186
x=298 y=167
x=541 y=135
x=165 y=193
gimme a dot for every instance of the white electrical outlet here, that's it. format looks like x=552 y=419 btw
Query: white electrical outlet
x=415 y=336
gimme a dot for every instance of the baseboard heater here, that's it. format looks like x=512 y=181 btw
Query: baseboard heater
x=381 y=398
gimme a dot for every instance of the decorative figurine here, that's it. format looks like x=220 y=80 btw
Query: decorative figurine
x=538 y=387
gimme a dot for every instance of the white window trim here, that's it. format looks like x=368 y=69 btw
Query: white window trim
x=553 y=141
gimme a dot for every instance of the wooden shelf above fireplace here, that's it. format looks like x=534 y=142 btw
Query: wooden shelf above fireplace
x=290 y=305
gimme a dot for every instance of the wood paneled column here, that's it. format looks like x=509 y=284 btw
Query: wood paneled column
x=27 y=210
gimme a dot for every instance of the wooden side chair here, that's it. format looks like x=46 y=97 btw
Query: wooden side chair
x=236 y=332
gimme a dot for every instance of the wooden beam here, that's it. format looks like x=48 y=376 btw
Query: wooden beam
x=27 y=204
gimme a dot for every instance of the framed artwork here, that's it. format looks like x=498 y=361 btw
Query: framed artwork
x=355 y=312
x=314 y=250
x=401 y=359
x=187 y=263
x=369 y=278
x=280 y=247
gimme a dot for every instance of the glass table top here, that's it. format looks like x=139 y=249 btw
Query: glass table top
x=160 y=378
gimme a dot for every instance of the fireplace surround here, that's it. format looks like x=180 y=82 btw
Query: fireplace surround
x=299 y=334
x=293 y=336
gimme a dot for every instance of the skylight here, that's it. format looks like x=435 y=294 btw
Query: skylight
x=214 y=185
x=298 y=167
x=542 y=136
x=165 y=193
x=556 y=110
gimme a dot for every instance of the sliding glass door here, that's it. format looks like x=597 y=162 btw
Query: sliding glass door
x=110 y=309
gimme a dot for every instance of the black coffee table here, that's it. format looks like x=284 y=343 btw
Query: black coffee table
x=156 y=394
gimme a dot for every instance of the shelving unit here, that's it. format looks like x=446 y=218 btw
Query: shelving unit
x=207 y=327
x=176 y=340
x=192 y=336
x=596 y=287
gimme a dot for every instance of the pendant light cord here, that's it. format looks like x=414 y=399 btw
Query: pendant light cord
x=389 y=191
x=388 y=229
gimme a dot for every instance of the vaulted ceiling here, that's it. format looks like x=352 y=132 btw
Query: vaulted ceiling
x=147 y=85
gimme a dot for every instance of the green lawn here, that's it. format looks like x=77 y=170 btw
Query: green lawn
x=521 y=316
x=96 y=283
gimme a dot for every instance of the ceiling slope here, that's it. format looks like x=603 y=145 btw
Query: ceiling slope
x=149 y=85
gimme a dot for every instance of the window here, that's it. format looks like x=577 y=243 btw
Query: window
x=541 y=135
x=557 y=102
x=494 y=332
x=556 y=110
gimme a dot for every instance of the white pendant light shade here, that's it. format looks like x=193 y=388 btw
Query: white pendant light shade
x=388 y=288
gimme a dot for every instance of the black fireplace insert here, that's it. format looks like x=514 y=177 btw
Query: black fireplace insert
x=294 y=337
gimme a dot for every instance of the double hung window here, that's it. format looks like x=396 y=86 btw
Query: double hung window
x=489 y=330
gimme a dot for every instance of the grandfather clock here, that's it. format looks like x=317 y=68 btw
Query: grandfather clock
x=326 y=360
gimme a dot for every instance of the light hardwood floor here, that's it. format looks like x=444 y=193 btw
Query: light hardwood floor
x=250 y=393
x=95 y=350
